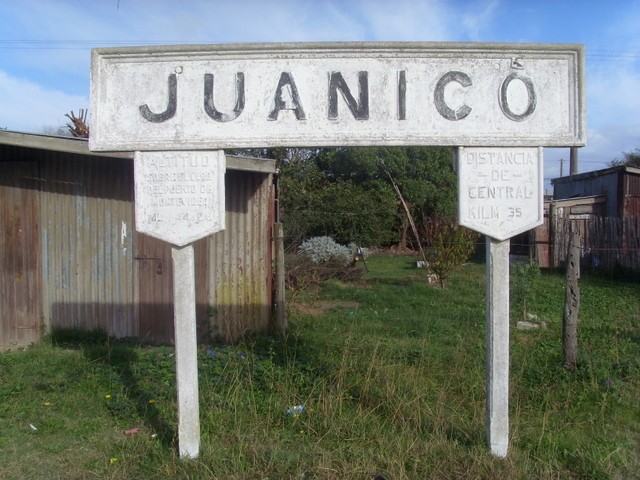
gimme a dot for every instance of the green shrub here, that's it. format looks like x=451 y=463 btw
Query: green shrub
x=449 y=246
x=301 y=272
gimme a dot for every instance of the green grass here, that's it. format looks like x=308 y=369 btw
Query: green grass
x=391 y=374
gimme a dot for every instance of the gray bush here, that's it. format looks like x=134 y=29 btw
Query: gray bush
x=324 y=249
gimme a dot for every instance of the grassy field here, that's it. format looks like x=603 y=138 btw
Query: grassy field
x=390 y=372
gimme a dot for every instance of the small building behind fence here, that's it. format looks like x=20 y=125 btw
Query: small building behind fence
x=604 y=206
x=70 y=255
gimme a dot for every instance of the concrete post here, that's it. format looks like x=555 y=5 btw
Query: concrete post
x=497 y=374
x=184 y=294
x=573 y=161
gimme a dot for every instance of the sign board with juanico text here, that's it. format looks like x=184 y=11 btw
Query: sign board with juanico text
x=500 y=190
x=337 y=94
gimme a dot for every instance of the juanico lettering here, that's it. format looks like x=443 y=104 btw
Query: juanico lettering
x=286 y=96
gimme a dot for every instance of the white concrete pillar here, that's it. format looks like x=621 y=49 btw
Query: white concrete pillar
x=184 y=298
x=497 y=419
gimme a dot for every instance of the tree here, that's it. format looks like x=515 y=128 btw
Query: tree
x=78 y=126
x=348 y=211
x=629 y=159
x=424 y=176
x=61 y=131
x=348 y=193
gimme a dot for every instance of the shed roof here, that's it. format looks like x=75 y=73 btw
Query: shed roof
x=80 y=146
x=595 y=174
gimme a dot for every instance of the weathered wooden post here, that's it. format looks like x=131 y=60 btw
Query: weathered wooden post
x=281 y=312
x=553 y=233
x=571 y=303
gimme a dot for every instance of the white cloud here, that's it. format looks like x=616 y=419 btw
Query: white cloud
x=603 y=145
x=612 y=95
x=613 y=122
x=477 y=21
x=609 y=142
x=29 y=107
x=405 y=20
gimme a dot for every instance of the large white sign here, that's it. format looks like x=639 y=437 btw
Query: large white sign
x=500 y=190
x=179 y=195
x=239 y=96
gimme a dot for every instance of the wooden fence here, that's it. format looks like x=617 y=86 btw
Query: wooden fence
x=607 y=242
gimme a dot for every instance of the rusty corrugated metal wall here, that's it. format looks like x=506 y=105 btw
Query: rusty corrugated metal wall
x=153 y=270
x=631 y=207
x=20 y=268
x=233 y=269
x=86 y=220
x=92 y=270
x=240 y=267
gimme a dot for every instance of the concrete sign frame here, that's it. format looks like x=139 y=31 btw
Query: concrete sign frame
x=337 y=94
x=211 y=97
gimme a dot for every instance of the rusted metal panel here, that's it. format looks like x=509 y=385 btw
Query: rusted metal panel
x=20 y=284
x=632 y=182
x=233 y=269
x=585 y=185
x=154 y=273
x=87 y=222
x=88 y=268
x=240 y=260
x=631 y=207
x=541 y=243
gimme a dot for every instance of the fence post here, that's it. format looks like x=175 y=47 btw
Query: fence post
x=553 y=219
x=281 y=314
x=571 y=303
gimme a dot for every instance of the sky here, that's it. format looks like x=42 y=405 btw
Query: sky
x=45 y=47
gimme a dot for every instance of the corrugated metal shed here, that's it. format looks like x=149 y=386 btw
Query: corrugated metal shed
x=70 y=255
x=604 y=206
x=620 y=185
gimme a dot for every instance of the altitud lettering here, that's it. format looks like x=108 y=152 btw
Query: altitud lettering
x=178 y=194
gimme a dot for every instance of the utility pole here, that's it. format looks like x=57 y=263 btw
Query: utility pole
x=561 y=167
x=573 y=161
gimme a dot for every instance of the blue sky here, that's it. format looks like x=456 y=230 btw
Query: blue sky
x=45 y=46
